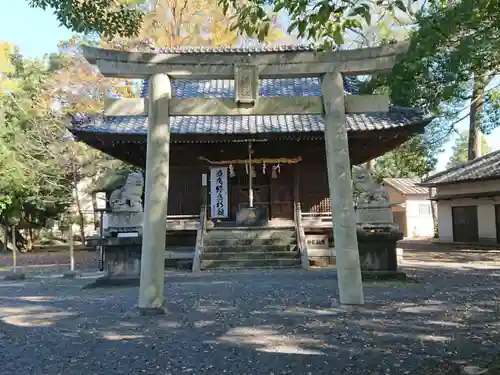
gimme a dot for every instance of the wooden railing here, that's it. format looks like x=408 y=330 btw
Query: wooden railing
x=316 y=219
x=301 y=236
x=182 y=217
x=183 y=222
x=199 y=239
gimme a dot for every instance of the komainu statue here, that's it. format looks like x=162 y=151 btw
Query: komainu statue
x=126 y=206
x=129 y=197
x=369 y=192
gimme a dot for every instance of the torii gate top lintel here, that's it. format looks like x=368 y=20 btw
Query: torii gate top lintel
x=220 y=63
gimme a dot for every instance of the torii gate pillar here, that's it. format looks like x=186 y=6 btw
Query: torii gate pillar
x=341 y=194
x=151 y=289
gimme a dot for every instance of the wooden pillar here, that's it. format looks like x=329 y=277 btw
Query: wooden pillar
x=204 y=190
x=151 y=298
x=341 y=194
x=295 y=181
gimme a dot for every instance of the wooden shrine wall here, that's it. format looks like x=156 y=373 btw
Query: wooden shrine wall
x=313 y=190
x=309 y=186
x=184 y=196
x=306 y=181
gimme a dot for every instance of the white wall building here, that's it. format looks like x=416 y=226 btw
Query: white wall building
x=413 y=212
x=468 y=201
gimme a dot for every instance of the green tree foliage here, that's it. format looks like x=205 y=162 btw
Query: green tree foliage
x=324 y=22
x=32 y=185
x=107 y=18
x=416 y=157
x=177 y=23
x=77 y=87
x=169 y=22
x=412 y=159
x=459 y=151
x=41 y=165
x=450 y=66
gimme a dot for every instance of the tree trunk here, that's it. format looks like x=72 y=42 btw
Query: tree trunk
x=434 y=214
x=5 y=236
x=94 y=210
x=476 y=110
x=71 y=246
x=29 y=243
x=14 y=250
x=81 y=218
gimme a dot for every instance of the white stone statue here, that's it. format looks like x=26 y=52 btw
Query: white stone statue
x=129 y=197
x=126 y=205
x=369 y=192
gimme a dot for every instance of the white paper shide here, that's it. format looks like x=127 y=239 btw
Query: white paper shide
x=218 y=192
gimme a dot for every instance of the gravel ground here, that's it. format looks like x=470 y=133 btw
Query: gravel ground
x=280 y=322
x=41 y=262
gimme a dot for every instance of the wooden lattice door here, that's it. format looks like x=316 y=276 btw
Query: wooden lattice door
x=465 y=225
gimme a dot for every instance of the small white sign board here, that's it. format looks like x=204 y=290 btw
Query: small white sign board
x=127 y=234
x=317 y=241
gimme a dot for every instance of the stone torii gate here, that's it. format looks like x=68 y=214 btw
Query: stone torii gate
x=246 y=67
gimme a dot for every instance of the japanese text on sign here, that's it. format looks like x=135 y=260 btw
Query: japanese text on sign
x=218 y=192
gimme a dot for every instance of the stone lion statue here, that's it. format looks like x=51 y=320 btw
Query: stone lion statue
x=129 y=197
x=368 y=191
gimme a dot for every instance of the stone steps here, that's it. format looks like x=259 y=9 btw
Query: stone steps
x=251 y=233
x=251 y=256
x=249 y=264
x=249 y=248
x=228 y=248
x=228 y=242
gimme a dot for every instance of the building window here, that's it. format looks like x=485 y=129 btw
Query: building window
x=424 y=210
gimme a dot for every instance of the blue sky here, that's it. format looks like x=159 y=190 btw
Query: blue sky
x=18 y=16
x=34 y=31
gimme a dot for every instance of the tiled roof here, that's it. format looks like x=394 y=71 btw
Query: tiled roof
x=396 y=117
x=483 y=168
x=406 y=186
x=224 y=88
x=246 y=49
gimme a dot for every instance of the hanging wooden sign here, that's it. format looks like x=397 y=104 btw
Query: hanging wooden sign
x=219 y=192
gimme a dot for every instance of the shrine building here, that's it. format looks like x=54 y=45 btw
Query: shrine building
x=255 y=139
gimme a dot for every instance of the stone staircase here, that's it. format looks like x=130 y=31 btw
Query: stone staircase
x=225 y=248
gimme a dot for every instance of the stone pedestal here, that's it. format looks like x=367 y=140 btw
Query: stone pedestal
x=122 y=261
x=377 y=250
x=374 y=214
x=377 y=239
x=125 y=221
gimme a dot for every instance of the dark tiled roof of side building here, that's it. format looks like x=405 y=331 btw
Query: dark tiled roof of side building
x=406 y=186
x=486 y=167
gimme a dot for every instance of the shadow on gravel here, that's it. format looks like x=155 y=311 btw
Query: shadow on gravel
x=253 y=323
